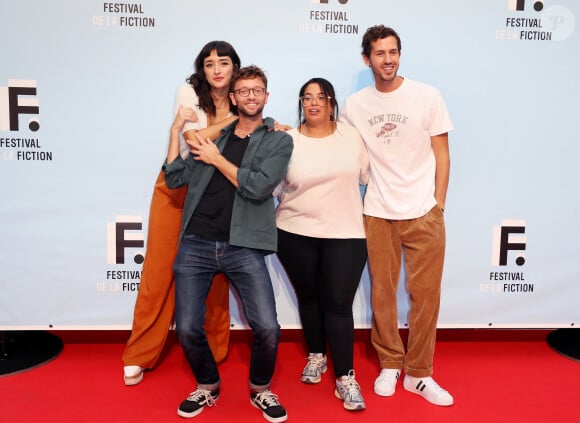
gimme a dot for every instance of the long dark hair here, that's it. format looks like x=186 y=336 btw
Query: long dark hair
x=327 y=90
x=198 y=80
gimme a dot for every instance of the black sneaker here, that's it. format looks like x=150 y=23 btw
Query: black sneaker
x=268 y=403
x=196 y=402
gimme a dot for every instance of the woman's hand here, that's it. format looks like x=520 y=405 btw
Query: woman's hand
x=281 y=127
x=183 y=115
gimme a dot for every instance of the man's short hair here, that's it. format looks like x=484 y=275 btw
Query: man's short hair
x=375 y=33
x=248 y=72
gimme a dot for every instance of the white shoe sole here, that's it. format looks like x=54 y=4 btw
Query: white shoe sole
x=134 y=379
x=384 y=392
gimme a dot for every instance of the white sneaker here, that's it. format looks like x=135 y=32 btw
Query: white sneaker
x=428 y=389
x=132 y=375
x=386 y=383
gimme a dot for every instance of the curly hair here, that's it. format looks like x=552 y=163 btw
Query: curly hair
x=375 y=33
x=248 y=72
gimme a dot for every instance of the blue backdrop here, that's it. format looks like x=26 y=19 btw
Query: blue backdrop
x=86 y=100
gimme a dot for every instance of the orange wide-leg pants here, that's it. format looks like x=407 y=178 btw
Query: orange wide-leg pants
x=155 y=302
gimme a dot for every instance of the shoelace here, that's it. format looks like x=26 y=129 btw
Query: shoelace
x=267 y=397
x=386 y=377
x=352 y=386
x=199 y=393
x=314 y=365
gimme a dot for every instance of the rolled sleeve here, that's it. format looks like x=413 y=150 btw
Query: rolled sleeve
x=175 y=172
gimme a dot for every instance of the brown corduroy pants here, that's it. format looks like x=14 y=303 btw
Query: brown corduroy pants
x=423 y=242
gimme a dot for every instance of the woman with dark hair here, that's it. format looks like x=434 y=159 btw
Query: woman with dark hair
x=321 y=239
x=207 y=92
x=199 y=80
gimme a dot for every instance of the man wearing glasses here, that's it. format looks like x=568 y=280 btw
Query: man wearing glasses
x=229 y=226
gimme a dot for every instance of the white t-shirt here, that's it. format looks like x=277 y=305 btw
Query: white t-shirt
x=320 y=195
x=397 y=128
x=187 y=97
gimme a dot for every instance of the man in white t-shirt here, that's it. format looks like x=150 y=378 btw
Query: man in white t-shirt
x=404 y=124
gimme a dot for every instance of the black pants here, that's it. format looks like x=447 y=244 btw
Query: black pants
x=325 y=274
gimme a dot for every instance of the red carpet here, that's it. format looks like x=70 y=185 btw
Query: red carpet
x=492 y=380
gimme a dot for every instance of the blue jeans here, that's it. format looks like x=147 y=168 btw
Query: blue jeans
x=197 y=261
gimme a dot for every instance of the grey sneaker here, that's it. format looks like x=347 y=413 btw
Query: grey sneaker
x=314 y=369
x=196 y=402
x=348 y=390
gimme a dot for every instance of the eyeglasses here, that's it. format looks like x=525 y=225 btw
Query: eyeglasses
x=308 y=99
x=244 y=92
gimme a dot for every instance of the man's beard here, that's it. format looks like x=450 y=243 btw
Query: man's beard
x=242 y=112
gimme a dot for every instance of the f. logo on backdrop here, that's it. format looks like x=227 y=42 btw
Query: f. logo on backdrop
x=509 y=241
x=521 y=5
x=536 y=21
x=125 y=232
x=16 y=99
x=509 y=237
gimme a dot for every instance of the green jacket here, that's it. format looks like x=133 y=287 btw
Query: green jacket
x=263 y=167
